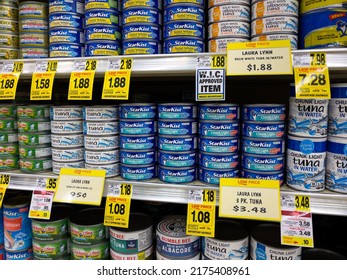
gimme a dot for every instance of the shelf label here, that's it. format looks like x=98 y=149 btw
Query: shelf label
x=259 y=58
x=250 y=199
x=296 y=223
x=51 y=184
x=82 y=80
x=41 y=201
x=117 y=79
x=4 y=182
x=311 y=75
x=42 y=80
x=9 y=76
x=80 y=186
x=117 y=209
x=201 y=212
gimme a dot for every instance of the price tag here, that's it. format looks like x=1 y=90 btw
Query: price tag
x=117 y=209
x=9 y=76
x=250 y=199
x=51 y=184
x=41 y=201
x=80 y=186
x=296 y=223
x=201 y=212
x=42 y=80
x=82 y=80
x=117 y=79
x=259 y=58
x=4 y=182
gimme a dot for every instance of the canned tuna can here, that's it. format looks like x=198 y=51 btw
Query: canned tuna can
x=143 y=15
x=229 y=243
x=112 y=169
x=67 y=155
x=336 y=162
x=87 y=226
x=103 y=32
x=138 y=172
x=56 y=166
x=73 y=6
x=260 y=146
x=9 y=40
x=310 y=5
x=263 y=130
x=307 y=117
x=134 y=239
x=102 y=4
x=212 y=176
x=101 y=143
x=138 y=157
x=141 y=46
x=259 y=175
x=9 y=25
x=8 y=110
x=101 y=157
x=100 y=113
x=101 y=128
x=66 y=35
x=266 y=163
x=19 y=256
x=177 y=111
x=176 y=159
x=219 y=129
x=32 y=52
x=102 y=17
x=9 y=11
x=220 y=44
x=35 y=151
x=212 y=3
x=99 y=251
x=66 y=113
x=266 y=244
x=62 y=257
x=229 y=29
x=7 y=137
x=184 y=45
x=274 y=25
x=33 y=125
x=178 y=175
x=275 y=8
x=33 y=9
x=9 y=53
x=153 y=4
x=273 y=37
x=219 y=161
x=33 y=111
x=162 y=258
x=35 y=165
x=221 y=112
x=141 y=31
x=66 y=50
x=33 y=25
x=66 y=127
x=9 y=163
x=137 y=111
x=138 y=127
x=8 y=124
x=54 y=228
x=337 y=110
x=177 y=143
x=67 y=141
x=184 y=12
x=177 y=128
x=229 y=12
x=306 y=163
x=194 y=2
x=138 y=142
x=183 y=28
x=264 y=112
x=147 y=254
x=2 y=251
x=53 y=249
x=220 y=145
x=103 y=48
x=17 y=225
x=64 y=19
x=172 y=240
x=33 y=39
x=321 y=254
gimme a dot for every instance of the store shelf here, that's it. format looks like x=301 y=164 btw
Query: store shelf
x=325 y=202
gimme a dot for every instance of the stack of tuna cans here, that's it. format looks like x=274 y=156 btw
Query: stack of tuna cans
x=218 y=142
x=8 y=138
x=306 y=145
x=66 y=25
x=34 y=145
x=142 y=27
x=102 y=30
x=184 y=23
x=263 y=141
x=101 y=129
x=2 y=250
x=33 y=29
x=66 y=137
x=138 y=127
x=9 y=43
x=229 y=21
x=275 y=20
x=177 y=123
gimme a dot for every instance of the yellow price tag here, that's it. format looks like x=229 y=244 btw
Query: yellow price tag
x=218 y=61
x=318 y=59
x=51 y=184
x=4 y=182
x=9 y=80
x=302 y=203
x=298 y=241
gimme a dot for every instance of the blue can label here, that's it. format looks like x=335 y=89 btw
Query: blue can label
x=132 y=157
x=143 y=15
x=218 y=161
x=103 y=48
x=138 y=172
x=196 y=2
x=102 y=4
x=141 y=31
x=129 y=111
x=183 y=28
x=184 y=45
x=178 y=144
x=263 y=130
x=138 y=127
x=219 y=112
x=262 y=163
x=338 y=110
x=141 y=47
x=73 y=6
x=219 y=129
x=184 y=12
x=212 y=176
x=103 y=32
x=180 y=251
x=178 y=159
x=264 y=113
x=154 y=4
x=70 y=20
x=20 y=256
x=137 y=142
x=177 y=128
x=66 y=50
x=177 y=175
x=65 y=35
x=177 y=111
x=219 y=145
x=252 y=174
x=102 y=17
x=261 y=146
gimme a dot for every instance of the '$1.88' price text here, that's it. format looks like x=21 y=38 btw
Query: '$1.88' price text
x=261 y=67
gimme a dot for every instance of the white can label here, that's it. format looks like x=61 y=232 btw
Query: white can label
x=338 y=117
x=96 y=128
x=225 y=250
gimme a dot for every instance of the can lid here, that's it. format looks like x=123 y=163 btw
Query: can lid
x=16 y=202
x=229 y=230
x=88 y=217
x=321 y=254
x=137 y=221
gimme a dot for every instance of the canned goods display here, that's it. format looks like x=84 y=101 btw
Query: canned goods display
x=141 y=31
x=266 y=163
x=184 y=12
x=219 y=128
x=9 y=163
x=56 y=166
x=147 y=254
x=219 y=145
x=7 y=137
x=263 y=146
x=225 y=111
x=177 y=111
x=8 y=110
x=263 y=129
x=22 y=255
x=293 y=38
x=154 y=4
x=218 y=161
x=8 y=124
x=9 y=40
x=100 y=113
x=101 y=128
x=310 y=5
x=33 y=52
x=183 y=28
x=67 y=141
x=99 y=251
x=212 y=176
x=34 y=138
x=176 y=159
x=64 y=19
x=33 y=125
x=101 y=157
x=9 y=53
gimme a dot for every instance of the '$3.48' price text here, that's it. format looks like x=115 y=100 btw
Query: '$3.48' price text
x=245 y=209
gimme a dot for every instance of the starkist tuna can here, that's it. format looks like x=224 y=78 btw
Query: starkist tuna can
x=184 y=12
x=177 y=143
x=66 y=50
x=176 y=159
x=66 y=35
x=138 y=172
x=176 y=127
x=194 y=2
x=103 y=48
x=138 y=157
x=141 y=46
x=220 y=145
x=218 y=128
x=19 y=256
x=263 y=129
x=74 y=6
x=103 y=32
x=275 y=8
x=229 y=12
x=259 y=175
x=178 y=175
x=218 y=161
x=141 y=31
x=138 y=127
x=183 y=28
x=154 y=4
x=265 y=163
x=184 y=45
x=137 y=111
x=212 y=176
x=69 y=20
x=264 y=112
x=138 y=142
x=141 y=14
x=263 y=146
x=100 y=113
x=102 y=17
x=223 y=111
x=177 y=111
x=338 y=111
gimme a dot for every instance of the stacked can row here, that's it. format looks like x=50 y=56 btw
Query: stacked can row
x=9 y=41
